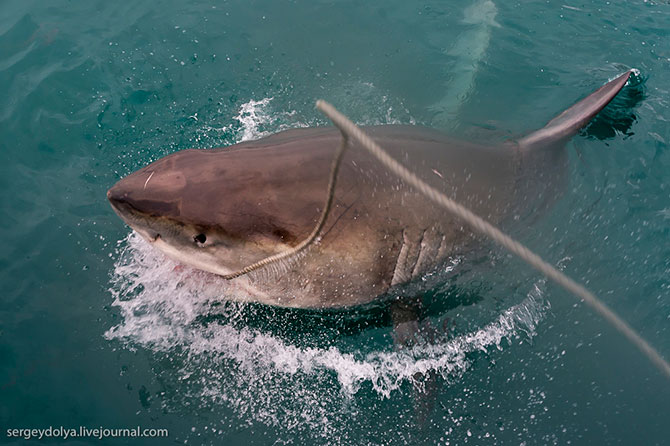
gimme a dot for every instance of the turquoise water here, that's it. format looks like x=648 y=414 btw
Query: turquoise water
x=96 y=329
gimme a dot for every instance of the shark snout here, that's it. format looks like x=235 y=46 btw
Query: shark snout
x=131 y=212
x=122 y=200
x=116 y=195
x=129 y=195
x=124 y=207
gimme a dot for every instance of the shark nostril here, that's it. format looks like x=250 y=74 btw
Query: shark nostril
x=200 y=238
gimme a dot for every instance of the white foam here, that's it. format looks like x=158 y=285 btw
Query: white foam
x=251 y=115
x=252 y=371
x=256 y=119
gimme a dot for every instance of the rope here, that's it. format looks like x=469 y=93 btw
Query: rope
x=349 y=128
x=317 y=229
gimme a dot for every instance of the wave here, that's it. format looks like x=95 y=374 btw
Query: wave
x=163 y=305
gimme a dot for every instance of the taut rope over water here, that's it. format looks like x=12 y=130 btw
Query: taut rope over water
x=349 y=129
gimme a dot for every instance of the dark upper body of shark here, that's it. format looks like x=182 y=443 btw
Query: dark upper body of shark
x=222 y=209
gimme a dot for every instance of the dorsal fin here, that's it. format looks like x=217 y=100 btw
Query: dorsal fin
x=573 y=119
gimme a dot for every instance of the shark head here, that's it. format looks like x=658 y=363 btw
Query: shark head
x=205 y=209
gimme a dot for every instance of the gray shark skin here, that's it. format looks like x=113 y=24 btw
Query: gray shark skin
x=220 y=210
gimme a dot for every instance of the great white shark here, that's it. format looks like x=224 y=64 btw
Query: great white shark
x=220 y=210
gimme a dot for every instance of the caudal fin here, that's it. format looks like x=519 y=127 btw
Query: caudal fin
x=576 y=117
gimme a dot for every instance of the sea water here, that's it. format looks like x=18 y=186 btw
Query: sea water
x=99 y=330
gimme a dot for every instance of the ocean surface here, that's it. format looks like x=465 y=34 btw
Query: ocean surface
x=99 y=330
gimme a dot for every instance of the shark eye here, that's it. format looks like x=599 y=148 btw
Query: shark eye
x=200 y=238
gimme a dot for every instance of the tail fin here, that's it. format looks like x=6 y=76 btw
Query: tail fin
x=573 y=119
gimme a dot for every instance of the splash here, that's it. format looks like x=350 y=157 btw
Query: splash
x=266 y=377
x=251 y=115
x=256 y=119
